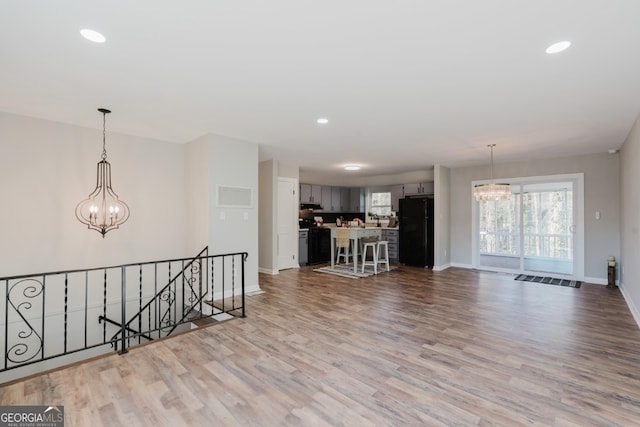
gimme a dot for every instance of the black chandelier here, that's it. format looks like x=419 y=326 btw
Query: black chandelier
x=103 y=211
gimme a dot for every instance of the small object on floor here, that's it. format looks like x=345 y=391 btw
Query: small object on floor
x=346 y=270
x=548 y=280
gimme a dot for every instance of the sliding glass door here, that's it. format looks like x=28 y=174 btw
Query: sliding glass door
x=534 y=231
x=548 y=221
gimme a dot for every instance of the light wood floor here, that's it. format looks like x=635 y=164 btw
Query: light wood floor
x=409 y=347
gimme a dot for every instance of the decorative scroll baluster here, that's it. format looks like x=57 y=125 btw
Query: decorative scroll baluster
x=29 y=342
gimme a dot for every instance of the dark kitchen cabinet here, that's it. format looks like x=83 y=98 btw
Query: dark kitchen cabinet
x=303 y=247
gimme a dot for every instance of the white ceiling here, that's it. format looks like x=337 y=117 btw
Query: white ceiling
x=405 y=84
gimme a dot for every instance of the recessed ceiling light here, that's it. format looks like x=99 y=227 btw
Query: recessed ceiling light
x=322 y=121
x=558 y=47
x=93 y=36
x=352 y=167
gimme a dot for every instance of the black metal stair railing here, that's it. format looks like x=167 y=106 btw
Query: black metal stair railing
x=51 y=315
x=166 y=305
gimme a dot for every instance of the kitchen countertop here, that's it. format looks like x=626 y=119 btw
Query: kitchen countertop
x=333 y=226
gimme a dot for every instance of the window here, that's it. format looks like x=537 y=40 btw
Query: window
x=380 y=204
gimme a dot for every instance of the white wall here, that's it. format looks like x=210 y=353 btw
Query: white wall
x=46 y=168
x=601 y=186
x=267 y=224
x=197 y=193
x=442 y=212
x=233 y=162
x=630 y=220
x=288 y=171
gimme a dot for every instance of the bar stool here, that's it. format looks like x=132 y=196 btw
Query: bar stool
x=343 y=244
x=343 y=252
x=373 y=244
x=383 y=260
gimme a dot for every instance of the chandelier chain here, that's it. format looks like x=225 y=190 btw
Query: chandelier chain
x=104 y=135
x=491 y=146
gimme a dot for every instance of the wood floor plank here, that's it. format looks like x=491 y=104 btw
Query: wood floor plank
x=408 y=347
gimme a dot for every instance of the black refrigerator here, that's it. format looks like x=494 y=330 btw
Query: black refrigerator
x=416 y=231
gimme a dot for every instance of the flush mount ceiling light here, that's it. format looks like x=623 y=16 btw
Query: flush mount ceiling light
x=558 y=47
x=352 y=167
x=322 y=121
x=92 y=35
x=103 y=211
x=492 y=191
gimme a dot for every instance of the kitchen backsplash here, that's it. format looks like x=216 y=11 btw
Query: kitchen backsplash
x=331 y=217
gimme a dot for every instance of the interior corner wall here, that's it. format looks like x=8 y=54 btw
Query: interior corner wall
x=197 y=194
x=442 y=212
x=234 y=163
x=630 y=220
x=47 y=168
x=601 y=193
x=288 y=171
x=267 y=224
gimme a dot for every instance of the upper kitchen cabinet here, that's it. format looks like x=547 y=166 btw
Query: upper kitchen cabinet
x=356 y=196
x=419 y=188
x=335 y=199
x=310 y=193
x=340 y=199
x=397 y=193
x=327 y=201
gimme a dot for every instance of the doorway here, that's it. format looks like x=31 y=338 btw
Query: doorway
x=287 y=223
x=538 y=230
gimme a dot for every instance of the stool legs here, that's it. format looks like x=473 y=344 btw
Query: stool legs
x=383 y=260
x=344 y=253
x=374 y=253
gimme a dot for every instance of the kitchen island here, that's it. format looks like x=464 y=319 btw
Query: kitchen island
x=355 y=234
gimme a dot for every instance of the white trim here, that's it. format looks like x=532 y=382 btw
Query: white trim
x=634 y=310
x=596 y=280
x=242 y=196
x=461 y=265
x=441 y=267
x=267 y=271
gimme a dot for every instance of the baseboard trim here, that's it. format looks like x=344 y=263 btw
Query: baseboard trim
x=252 y=288
x=441 y=267
x=634 y=310
x=596 y=280
x=268 y=271
x=460 y=265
